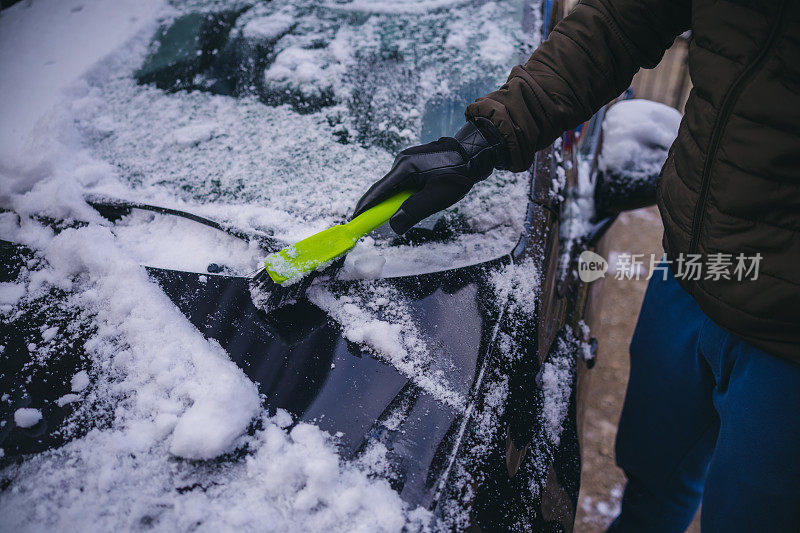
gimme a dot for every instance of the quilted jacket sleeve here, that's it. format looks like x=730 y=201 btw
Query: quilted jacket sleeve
x=589 y=58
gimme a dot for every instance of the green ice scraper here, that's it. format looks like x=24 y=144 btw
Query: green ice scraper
x=315 y=251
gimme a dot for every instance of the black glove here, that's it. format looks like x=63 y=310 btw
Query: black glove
x=442 y=172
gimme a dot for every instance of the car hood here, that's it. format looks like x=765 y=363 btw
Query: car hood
x=301 y=362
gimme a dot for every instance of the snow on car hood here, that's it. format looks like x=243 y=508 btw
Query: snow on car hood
x=173 y=402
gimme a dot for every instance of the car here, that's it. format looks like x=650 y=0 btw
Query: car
x=485 y=435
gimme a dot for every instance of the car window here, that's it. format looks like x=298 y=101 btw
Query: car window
x=277 y=117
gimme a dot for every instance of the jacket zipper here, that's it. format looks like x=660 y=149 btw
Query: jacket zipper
x=722 y=120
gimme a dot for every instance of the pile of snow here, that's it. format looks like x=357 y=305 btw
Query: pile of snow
x=312 y=72
x=79 y=381
x=636 y=137
x=271 y=26
x=293 y=480
x=368 y=266
x=173 y=394
x=10 y=294
x=67 y=399
x=517 y=286
x=27 y=417
x=176 y=243
x=156 y=357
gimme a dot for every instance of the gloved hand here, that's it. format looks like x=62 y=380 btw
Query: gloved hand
x=442 y=172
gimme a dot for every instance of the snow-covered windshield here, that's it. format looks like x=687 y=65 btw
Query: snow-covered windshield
x=272 y=118
x=277 y=117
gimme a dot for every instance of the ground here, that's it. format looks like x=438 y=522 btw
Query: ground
x=619 y=301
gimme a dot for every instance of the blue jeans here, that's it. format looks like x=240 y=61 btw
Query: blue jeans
x=706 y=416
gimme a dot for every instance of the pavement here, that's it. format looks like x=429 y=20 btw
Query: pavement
x=616 y=306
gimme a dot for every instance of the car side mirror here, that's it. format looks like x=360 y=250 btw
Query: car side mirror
x=636 y=138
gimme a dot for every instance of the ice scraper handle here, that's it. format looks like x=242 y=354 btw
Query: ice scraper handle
x=320 y=249
x=442 y=172
x=378 y=215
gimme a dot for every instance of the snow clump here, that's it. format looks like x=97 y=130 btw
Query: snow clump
x=636 y=137
x=27 y=417
x=79 y=381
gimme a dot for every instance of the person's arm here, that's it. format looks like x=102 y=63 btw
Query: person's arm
x=589 y=59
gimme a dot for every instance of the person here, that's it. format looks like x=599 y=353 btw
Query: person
x=711 y=406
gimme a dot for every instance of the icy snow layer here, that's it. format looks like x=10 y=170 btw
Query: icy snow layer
x=636 y=137
x=183 y=441
x=45 y=45
x=375 y=315
x=79 y=381
x=517 y=288
x=293 y=174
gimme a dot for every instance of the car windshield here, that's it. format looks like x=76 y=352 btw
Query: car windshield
x=277 y=117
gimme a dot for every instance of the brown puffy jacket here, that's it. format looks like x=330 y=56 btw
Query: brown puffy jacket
x=731 y=183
